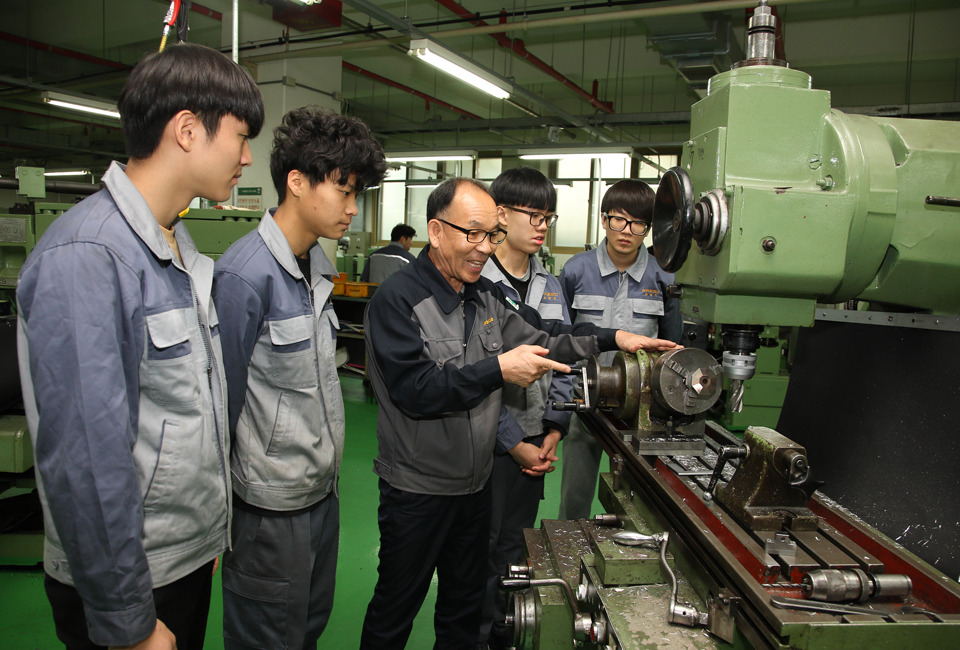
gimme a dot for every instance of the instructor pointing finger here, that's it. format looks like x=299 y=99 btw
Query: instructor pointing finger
x=442 y=342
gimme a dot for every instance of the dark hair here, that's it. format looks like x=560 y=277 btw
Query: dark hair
x=632 y=196
x=441 y=198
x=402 y=230
x=188 y=77
x=524 y=186
x=316 y=141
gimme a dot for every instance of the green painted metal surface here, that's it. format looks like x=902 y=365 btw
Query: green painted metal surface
x=16 y=452
x=841 y=195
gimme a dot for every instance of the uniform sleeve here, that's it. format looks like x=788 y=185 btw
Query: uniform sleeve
x=567 y=343
x=568 y=286
x=561 y=390
x=240 y=310
x=420 y=386
x=80 y=347
x=670 y=325
x=509 y=432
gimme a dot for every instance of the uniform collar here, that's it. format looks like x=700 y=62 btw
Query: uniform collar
x=607 y=266
x=138 y=214
x=493 y=273
x=446 y=297
x=279 y=247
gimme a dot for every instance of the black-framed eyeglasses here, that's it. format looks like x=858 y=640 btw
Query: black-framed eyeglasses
x=536 y=218
x=638 y=228
x=476 y=236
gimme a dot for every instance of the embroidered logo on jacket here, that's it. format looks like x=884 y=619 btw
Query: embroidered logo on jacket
x=488 y=321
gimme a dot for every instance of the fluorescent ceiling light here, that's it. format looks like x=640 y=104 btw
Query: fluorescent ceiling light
x=558 y=156
x=78 y=172
x=431 y=52
x=83 y=104
x=429 y=156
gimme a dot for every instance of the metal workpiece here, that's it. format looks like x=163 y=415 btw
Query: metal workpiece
x=837 y=585
x=780 y=544
x=686 y=381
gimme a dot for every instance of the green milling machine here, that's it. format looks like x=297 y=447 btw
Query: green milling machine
x=781 y=205
x=21 y=523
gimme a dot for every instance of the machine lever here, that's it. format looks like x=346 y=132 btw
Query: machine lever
x=584 y=627
x=723 y=455
x=679 y=614
x=943 y=200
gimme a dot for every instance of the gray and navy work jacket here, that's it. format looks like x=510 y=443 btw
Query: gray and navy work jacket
x=122 y=385
x=386 y=261
x=530 y=411
x=432 y=360
x=635 y=300
x=279 y=336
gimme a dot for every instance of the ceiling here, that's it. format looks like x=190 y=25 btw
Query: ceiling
x=620 y=78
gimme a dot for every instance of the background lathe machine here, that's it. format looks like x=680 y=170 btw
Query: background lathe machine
x=781 y=209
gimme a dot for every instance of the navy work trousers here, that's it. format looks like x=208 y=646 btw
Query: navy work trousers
x=420 y=533
x=183 y=606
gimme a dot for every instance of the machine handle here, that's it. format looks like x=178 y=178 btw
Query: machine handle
x=723 y=455
x=943 y=200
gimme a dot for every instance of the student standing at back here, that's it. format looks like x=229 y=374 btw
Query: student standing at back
x=528 y=435
x=386 y=261
x=618 y=284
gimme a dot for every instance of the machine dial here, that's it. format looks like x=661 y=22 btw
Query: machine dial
x=673 y=219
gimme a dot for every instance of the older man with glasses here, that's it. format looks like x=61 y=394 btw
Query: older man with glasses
x=442 y=342
x=618 y=284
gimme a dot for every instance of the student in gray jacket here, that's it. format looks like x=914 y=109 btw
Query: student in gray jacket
x=121 y=367
x=528 y=436
x=386 y=261
x=618 y=284
x=278 y=329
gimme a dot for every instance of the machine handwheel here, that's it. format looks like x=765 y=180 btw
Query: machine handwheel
x=673 y=219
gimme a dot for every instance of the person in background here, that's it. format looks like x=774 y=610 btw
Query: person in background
x=272 y=289
x=618 y=284
x=121 y=366
x=528 y=435
x=442 y=343
x=391 y=258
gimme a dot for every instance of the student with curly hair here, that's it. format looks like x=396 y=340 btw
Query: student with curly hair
x=272 y=290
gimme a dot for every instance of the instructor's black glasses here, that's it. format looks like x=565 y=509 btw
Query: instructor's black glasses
x=476 y=236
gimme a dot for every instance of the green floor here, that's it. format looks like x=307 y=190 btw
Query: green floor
x=26 y=624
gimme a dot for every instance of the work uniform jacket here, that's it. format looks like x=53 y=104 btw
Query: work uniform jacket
x=595 y=291
x=386 y=261
x=122 y=385
x=530 y=410
x=433 y=366
x=279 y=339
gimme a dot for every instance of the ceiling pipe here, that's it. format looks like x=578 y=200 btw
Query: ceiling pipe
x=62 y=51
x=528 y=25
x=518 y=47
x=404 y=26
x=407 y=89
